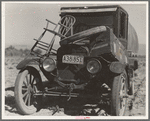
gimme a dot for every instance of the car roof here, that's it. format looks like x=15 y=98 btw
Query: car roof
x=88 y=9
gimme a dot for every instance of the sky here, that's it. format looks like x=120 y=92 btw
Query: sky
x=25 y=21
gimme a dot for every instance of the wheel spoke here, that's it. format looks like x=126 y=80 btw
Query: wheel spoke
x=25 y=94
x=25 y=84
x=29 y=97
x=30 y=79
x=27 y=80
x=25 y=89
x=122 y=100
x=26 y=99
x=122 y=86
x=33 y=81
x=122 y=83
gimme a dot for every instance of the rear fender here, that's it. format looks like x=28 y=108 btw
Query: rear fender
x=32 y=61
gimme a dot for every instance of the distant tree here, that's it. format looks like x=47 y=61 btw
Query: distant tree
x=38 y=51
x=10 y=47
x=26 y=51
x=21 y=50
x=11 y=54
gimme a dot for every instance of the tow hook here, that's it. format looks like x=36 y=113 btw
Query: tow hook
x=71 y=87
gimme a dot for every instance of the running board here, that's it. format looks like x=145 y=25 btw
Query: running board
x=64 y=94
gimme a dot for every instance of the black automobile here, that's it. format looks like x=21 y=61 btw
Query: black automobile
x=93 y=52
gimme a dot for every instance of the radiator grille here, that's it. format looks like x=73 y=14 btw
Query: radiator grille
x=70 y=71
x=66 y=74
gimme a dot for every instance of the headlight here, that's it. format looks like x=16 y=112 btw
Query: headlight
x=94 y=66
x=49 y=64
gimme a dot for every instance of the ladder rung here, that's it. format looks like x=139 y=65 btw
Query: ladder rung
x=53 y=53
x=41 y=42
x=41 y=47
x=54 y=32
x=51 y=22
x=54 y=49
x=44 y=43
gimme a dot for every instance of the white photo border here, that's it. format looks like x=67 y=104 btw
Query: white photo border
x=72 y=117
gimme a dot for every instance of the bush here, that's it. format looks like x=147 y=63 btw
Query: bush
x=12 y=51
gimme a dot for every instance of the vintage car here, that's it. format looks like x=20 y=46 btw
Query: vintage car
x=94 y=51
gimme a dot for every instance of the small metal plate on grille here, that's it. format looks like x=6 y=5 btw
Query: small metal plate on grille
x=73 y=59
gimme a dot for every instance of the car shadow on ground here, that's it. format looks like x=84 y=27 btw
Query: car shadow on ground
x=9 y=89
x=76 y=106
x=10 y=101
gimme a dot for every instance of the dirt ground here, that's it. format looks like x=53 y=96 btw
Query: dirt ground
x=74 y=107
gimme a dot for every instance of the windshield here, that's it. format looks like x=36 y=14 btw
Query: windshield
x=89 y=21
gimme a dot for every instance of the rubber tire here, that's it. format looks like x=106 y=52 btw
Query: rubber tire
x=21 y=107
x=115 y=94
x=131 y=89
x=131 y=92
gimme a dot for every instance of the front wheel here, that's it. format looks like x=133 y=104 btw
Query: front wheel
x=119 y=90
x=28 y=82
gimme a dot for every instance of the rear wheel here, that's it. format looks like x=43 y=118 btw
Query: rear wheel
x=28 y=82
x=131 y=92
x=119 y=90
x=131 y=89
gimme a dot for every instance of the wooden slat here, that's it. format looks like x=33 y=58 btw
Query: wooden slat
x=41 y=48
x=51 y=22
x=63 y=25
x=54 y=32
x=42 y=45
x=41 y=42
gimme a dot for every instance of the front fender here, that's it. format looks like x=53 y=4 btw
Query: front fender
x=28 y=61
x=117 y=67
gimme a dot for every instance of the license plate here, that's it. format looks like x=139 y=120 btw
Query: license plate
x=73 y=59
